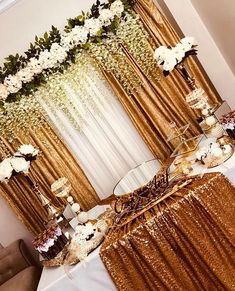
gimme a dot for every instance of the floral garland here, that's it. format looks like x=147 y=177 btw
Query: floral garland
x=21 y=75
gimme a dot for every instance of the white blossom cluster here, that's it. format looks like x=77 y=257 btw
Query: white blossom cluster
x=17 y=162
x=58 y=52
x=168 y=58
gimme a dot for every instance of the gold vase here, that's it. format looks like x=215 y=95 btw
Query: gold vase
x=185 y=72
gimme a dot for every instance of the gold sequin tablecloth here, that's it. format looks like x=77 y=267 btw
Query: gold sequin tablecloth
x=185 y=243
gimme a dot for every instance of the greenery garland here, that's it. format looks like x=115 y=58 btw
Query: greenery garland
x=16 y=77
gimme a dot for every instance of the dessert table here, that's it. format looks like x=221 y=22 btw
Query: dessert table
x=186 y=242
x=177 y=241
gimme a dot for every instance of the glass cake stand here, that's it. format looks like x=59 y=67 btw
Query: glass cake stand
x=185 y=145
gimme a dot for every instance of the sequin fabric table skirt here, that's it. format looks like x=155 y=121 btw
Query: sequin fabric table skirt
x=184 y=243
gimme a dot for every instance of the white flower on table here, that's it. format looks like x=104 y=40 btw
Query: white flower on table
x=13 y=83
x=3 y=92
x=80 y=34
x=93 y=25
x=28 y=149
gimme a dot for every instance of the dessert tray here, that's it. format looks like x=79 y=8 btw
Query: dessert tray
x=86 y=238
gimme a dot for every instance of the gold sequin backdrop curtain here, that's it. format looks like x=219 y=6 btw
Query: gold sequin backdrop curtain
x=55 y=161
x=156 y=103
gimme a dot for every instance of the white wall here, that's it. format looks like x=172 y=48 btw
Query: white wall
x=209 y=54
x=11 y=228
x=219 y=18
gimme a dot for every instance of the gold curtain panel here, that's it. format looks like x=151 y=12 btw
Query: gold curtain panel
x=184 y=243
x=156 y=103
x=56 y=161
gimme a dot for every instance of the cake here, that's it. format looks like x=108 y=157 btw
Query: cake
x=197 y=99
x=50 y=242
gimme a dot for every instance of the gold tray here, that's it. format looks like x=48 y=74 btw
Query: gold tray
x=216 y=162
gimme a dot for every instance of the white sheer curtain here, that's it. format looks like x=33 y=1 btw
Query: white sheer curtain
x=106 y=144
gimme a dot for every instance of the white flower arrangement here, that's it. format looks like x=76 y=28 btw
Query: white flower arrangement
x=168 y=57
x=35 y=65
x=117 y=8
x=28 y=150
x=18 y=163
x=58 y=52
x=93 y=25
x=25 y=75
x=13 y=83
x=106 y=16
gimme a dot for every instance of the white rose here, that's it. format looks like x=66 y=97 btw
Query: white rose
x=67 y=41
x=28 y=149
x=13 y=83
x=25 y=75
x=117 y=7
x=93 y=25
x=189 y=39
x=106 y=16
x=178 y=52
x=5 y=170
x=47 y=60
x=169 y=64
x=3 y=92
x=187 y=43
x=80 y=34
x=35 y=66
x=20 y=164
x=160 y=52
x=58 y=52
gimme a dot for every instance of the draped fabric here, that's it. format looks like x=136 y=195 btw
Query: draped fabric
x=186 y=242
x=106 y=143
x=55 y=161
x=156 y=103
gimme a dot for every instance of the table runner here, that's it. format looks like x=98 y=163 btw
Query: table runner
x=184 y=243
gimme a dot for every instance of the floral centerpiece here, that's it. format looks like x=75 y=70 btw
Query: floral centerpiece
x=18 y=163
x=169 y=57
